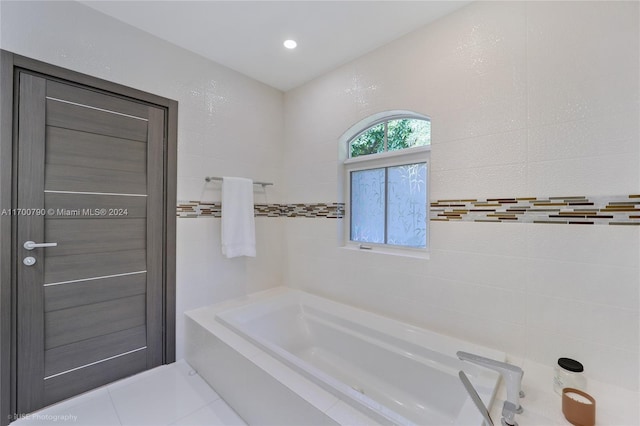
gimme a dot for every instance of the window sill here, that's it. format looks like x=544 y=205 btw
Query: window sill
x=390 y=251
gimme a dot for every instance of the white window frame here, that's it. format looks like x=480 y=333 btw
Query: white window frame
x=420 y=154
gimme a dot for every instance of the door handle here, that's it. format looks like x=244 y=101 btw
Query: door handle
x=30 y=245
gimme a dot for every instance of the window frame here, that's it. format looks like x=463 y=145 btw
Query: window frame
x=384 y=120
x=416 y=154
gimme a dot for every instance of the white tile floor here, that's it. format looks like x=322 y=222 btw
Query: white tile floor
x=171 y=395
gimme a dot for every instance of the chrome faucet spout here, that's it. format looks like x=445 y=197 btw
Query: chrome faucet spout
x=512 y=376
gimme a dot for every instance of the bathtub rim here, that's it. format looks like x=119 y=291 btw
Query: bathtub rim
x=386 y=325
x=327 y=403
x=209 y=318
x=398 y=331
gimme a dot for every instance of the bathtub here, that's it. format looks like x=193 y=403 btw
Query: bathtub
x=392 y=372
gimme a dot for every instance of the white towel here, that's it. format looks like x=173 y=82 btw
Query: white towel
x=238 y=223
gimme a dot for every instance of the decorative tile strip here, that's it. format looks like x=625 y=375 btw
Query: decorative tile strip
x=190 y=209
x=569 y=210
x=331 y=210
x=572 y=210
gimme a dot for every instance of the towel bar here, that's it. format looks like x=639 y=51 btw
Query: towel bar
x=263 y=184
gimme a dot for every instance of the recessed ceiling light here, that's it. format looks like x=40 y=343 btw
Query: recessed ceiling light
x=290 y=44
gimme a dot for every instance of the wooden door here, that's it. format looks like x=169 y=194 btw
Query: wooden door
x=90 y=179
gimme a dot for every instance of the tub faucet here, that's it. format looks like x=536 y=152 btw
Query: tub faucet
x=511 y=374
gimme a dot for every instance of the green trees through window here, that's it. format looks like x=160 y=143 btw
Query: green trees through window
x=391 y=136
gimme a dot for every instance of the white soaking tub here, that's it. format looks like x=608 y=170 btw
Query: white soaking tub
x=393 y=372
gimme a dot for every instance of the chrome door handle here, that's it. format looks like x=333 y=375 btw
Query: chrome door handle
x=30 y=245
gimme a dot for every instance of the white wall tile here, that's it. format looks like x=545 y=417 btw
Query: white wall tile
x=484 y=151
x=526 y=99
x=488 y=270
x=584 y=281
x=486 y=238
x=603 y=245
x=205 y=277
x=606 y=135
x=597 y=175
x=601 y=324
x=582 y=60
x=479 y=120
x=479 y=182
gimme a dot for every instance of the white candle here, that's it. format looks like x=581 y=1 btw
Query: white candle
x=579 y=398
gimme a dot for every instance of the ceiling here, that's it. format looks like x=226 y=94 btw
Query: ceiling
x=247 y=36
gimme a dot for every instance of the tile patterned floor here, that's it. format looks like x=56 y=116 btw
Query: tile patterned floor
x=170 y=395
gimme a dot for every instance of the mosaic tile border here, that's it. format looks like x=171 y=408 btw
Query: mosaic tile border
x=574 y=210
x=187 y=209
x=570 y=210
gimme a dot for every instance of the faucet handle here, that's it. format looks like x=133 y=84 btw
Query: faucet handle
x=508 y=411
x=511 y=374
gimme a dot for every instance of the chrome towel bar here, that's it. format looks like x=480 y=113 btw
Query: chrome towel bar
x=263 y=184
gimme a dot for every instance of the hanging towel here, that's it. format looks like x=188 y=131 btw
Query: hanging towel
x=238 y=223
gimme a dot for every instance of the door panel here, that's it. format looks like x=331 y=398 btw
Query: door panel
x=89 y=179
x=63 y=327
x=85 y=266
x=81 y=118
x=73 y=148
x=91 y=308
x=58 y=297
x=67 y=357
x=136 y=206
x=95 y=99
x=84 y=236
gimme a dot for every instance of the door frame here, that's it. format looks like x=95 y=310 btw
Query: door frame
x=10 y=65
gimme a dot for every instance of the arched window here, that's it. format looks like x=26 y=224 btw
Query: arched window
x=387 y=182
x=391 y=135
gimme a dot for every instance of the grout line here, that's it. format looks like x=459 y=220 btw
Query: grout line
x=332 y=405
x=113 y=404
x=177 y=421
x=189 y=382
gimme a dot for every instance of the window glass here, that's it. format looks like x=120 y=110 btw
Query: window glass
x=368 y=205
x=407 y=133
x=391 y=136
x=369 y=142
x=406 y=206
